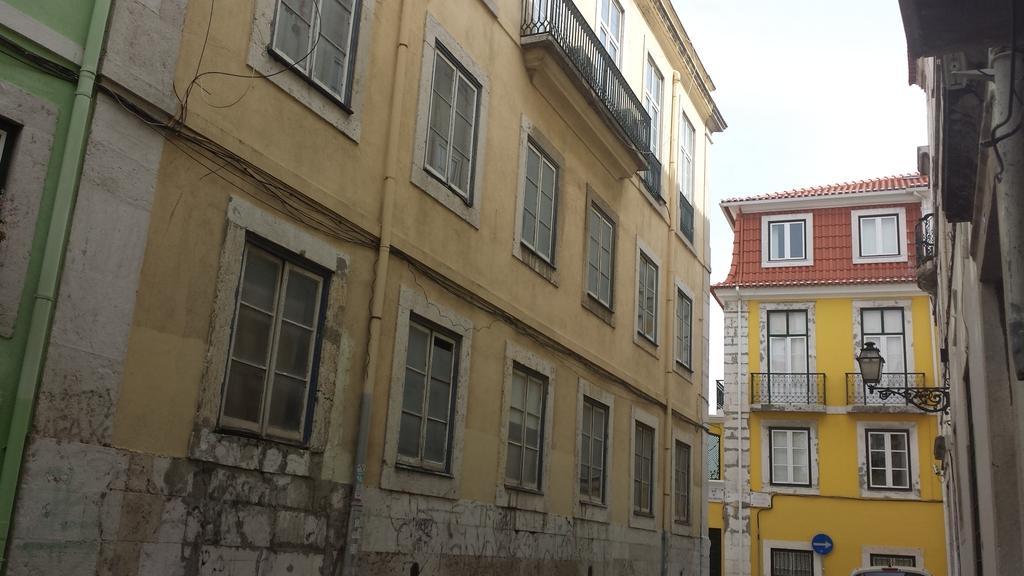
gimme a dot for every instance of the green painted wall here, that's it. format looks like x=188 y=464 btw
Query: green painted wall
x=69 y=18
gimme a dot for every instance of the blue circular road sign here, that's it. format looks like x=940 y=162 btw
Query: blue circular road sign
x=821 y=543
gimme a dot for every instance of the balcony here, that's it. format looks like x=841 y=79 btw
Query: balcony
x=787 y=391
x=686 y=218
x=568 y=63
x=862 y=399
x=719 y=396
x=652 y=177
x=924 y=241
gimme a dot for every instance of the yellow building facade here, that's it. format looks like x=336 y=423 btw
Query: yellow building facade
x=422 y=292
x=810 y=453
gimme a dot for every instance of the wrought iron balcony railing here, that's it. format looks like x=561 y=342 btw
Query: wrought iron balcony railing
x=686 y=218
x=770 y=388
x=652 y=176
x=924 y=238
x=719 y=396
x=857 y=392
x=562 y=21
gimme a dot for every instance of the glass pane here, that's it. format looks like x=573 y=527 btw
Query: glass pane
x=437 y=441
x=598 y=428
x=893 y=353
x=532 y=438
x=798 y=354
x=329 y=65
x=893 y=321
x=899 y=460
x=593 y=281
x=796 y=240
x=259 y=280
x=535 y=396
x=412 y=392
x=872 y=321
x=462 y=138
x=440 y=115
x=890 y=236
x=597 y=454
x=800 y=475
x=900 y=478
x=878 y=478
x=547 y=206
x=518 y=387
x=439 y=406
x=301 y=299
x=778 y=359
x=543 y=245
x=514 y=463
x=515 y=426
x=777 y=249
x=531 y=461
x=876 y=442
x=244 y=396
x=898 y=441
x=292 y=35
x=877 y=459
x=780 y=457
x=287 y=403
x=252 y=336
x=337 y=21
x=466 y=103
x=409 y=436
x=442 y=361
x=293 y=349
x=777 y=322
x=416 y=357
x=798 y=322
x=868 y=237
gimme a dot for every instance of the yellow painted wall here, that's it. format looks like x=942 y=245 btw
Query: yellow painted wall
x=840 y=511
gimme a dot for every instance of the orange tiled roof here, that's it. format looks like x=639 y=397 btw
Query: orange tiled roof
x=901 y=182
x=833 y=240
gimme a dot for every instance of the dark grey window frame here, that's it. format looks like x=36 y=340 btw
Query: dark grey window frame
x=643 y=508
x=900 y=246
x=544 y=155
x=802 y=221
x=771 y=457
x=805 y=553
x=603 y=497
x=867 y=459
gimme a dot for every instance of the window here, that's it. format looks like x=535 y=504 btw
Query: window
x=884 y=327
x=879 y=235
x=787 y=357
x=686 y=142
x=888 y=459
x=652 y=102
x=609 y=28
x=275 y=343
x=893 y=560
x=8 y=132
x=684 y=321
x=428 y=394
x=600 y=254
x=792 y=562
x=790 y=456
x=643 y=470
x=713 y=458
x=787 y=240
x=451 y=125
x=539 y=203
x=316 y=38
x=525 y=429
x=647 y=301
x=681 y=476
x=593 y=450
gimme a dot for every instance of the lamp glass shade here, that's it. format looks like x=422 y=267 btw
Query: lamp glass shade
x=870 y=361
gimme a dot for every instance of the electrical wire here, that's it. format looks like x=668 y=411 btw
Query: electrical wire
x=993 y=141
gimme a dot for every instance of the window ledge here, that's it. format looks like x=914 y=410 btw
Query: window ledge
x=792 y=490
x=251 y=453
x=536 y=262
x=643 y=520
x=876 y=494
x=645 y=344
x=595 y=307
x=814 y=408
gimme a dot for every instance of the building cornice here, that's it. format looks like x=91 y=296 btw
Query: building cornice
x=724 y=293
x=903 y=196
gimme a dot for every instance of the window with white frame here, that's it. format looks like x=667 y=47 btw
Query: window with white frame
x=684 y=323
x=787 y=240
x=317 y=39
x=647 y=299
x=593 y=447
x=653 y=81
x=788 y=377
x=643 y=469
x=687 y=138
x=539 y=203
x=885 y=328
x=786 y=562
x=893 y=560
x=681 y=479
x=600 y=256
x=452 y=124
x=525 y=429
x=790 y=455
x=888 y=459
x=428 y=396
x=609 y=27
x=275 y=341
x=879 y=235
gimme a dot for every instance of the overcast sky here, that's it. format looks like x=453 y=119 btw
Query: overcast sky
x=814 y=92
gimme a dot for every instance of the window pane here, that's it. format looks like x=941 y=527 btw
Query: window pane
x=301 y=299
x=329 y=65
x=259 y=280
x=514 y=463
x=872 y=321
x=244 y=396
x=532 y=436
x=417 y=355
x=890 y=236
x=900 y=479
x=777 y=322
x=798 y=354
x=798 y=322
x=777 y=249
x=878 y=477
x=531 y=462
x=409 y=435
x=868 y=236
x=535 y=396
x=899 y=441
x=436 y=441
x=293 y=347
x=412 y=392
x=442 y=360
x=439 y=406
x=876 y=441
x=796 y=240
x=292 y=34
x=440 y=115
x=515 y=426
x=252 y=335
x=287 y=403
x=893 y=320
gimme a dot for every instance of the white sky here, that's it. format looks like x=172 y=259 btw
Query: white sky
x=814 y=92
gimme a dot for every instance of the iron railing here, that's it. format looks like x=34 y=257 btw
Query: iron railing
x=713 y=457
x=857 y=392
x=686 y=218
x=652 y=176
x=770 y=388
x=719 y=396
x=562 y=21
x=924 y=238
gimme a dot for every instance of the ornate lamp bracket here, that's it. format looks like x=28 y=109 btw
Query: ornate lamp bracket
x=928 y=399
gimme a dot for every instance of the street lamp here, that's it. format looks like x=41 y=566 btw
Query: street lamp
x=871 y=362
x=929 y=399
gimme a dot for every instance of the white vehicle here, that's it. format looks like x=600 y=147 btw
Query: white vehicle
x=896 y=571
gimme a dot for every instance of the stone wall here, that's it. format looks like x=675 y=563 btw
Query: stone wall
x=736 y=441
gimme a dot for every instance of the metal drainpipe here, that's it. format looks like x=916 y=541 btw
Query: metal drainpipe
x=43 y=304
x=666 y=506
x=1009 y=67
x=353 y=534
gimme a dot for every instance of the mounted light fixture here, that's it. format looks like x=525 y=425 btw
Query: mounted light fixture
x=929 y=399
